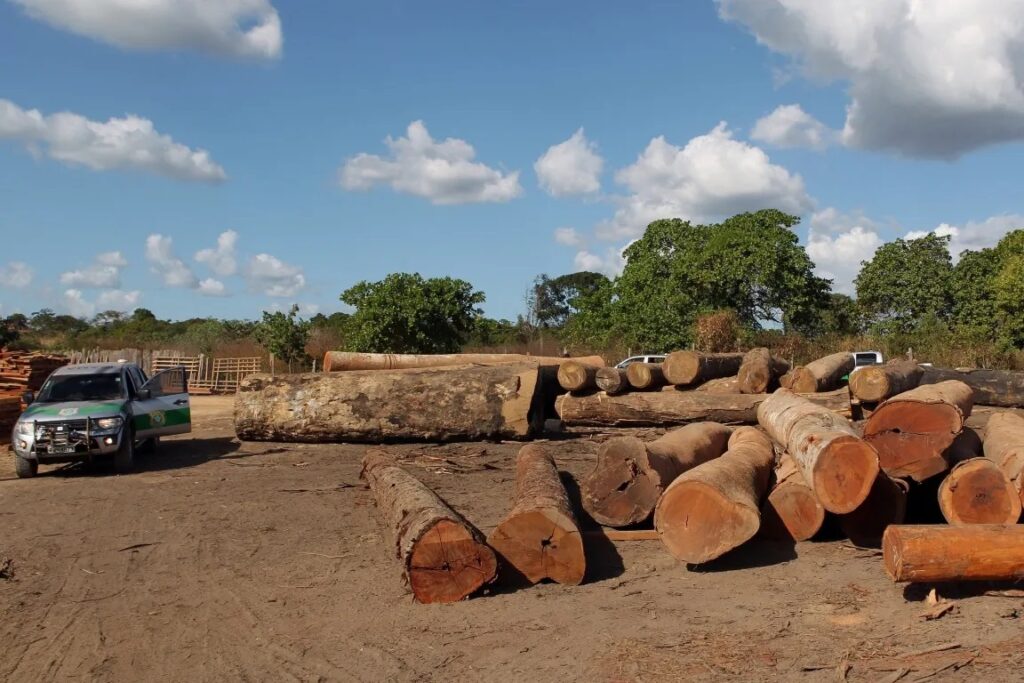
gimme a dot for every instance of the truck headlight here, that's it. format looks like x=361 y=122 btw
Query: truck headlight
x=107 y=423
x=23 y=429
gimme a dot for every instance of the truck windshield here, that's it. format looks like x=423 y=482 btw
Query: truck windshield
x=105 y=387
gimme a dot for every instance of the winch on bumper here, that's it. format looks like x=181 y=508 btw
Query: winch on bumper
x=67 y=440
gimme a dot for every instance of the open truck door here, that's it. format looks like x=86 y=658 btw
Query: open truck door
x=163 y=407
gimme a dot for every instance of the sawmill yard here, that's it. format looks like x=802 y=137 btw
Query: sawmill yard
x=222 y=560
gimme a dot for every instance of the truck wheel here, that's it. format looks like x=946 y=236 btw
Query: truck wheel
x=124 y=457
x=149 y=445
x=24 y=467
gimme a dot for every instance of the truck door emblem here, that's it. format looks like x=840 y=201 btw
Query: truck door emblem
x=157 y=417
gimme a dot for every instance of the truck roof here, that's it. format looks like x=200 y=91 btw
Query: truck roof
x=91 y=369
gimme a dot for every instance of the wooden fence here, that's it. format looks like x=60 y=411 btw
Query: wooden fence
x=206 y=375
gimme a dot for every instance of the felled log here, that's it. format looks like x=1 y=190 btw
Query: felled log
x=885 y=505
x=345 y=361
x=672 y=407
x=721 y=385
x=912 y=431
x=693 y=367
x=791 y=512
x=760 y=371
x=977 y=492
x=612 y=381
x=838 y=466
x=1004 y=445
x=878 y=382
x=539 y=537
x=1004 y=388
x=631 y=475
x=645 y=376
x=576 y=376
x=715 y=507
x=431 y=404
x=824 y=374
x=445 y=558
x=933 y=553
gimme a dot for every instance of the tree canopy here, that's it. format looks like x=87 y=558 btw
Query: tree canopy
x=283 y=334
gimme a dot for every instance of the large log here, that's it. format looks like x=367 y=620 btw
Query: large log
x=673 y=407
x=630 y=475
x=431 y=404
x=612 y=381
x=878 y=382
x=760 y=371
x=977 y=492
x=721 y=385
x=445 y=558
x=645 y=376
x=912 y=431
x=539 y=537
x=1004 y=388
x=693 y=367
x=715 y=507
x=839 y=466
x=345 y=361
x=576 y=376
x=1004 y=445
x=824 y=374
x=933 y=553
x=791 y=512
x=885 y=505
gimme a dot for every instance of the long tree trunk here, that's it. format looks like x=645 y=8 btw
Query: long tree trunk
x=885 y=505
x=672 y=407
x=431 y=404
x=721 y=385
x=791 y=512
x=760 y=371
x=927 y=554
x=577 y=377
x=645 y=376
x=1004 y=445
x=878 y=382
x=1004 y=388
x=630 y=475
x=539 y=537
x=693 y=367
x=824 y=374
x=912 y=431
x=715 y=507
x=445 y=558
x=345 y=361
x=612 y=381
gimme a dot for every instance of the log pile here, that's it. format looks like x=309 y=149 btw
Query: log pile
x=21 y=371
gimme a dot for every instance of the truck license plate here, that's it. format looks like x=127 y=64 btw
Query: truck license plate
x=61 y=450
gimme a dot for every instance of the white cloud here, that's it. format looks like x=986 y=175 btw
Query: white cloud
x=570 y=167
x=118 y=300
x=221 y=259
x=611 y=263
x=713 y=176
x=926 y=78
x=171 y=269
x=238 y=28
x=131 y=142
x=16 y=275
x=974 y=235
x=211 y=287
x=105 y=271
x=274 y=277
x=837 y=243
x=570 y=237
x=790 y=126
x=77 y=304
x=443 y=172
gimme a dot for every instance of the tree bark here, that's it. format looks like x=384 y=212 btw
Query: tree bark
x=539 y=537
x=577 y=377
x=824 y=374
x=612 y=381
x=430 y=404
x=693 y=367
x=878 y=382
x=976 y=491
x=721 y=385
x=445 y=558
x=1004 y=445
x=1002 y=388
x=912 y=431
x=630 y=475
x=645 y=376
x=838 y=466
x=344 y=361
x=791 y=512
x=982 y=552
x=760 y=371
x=715 y=507
x=885 y=505
x=673 y=407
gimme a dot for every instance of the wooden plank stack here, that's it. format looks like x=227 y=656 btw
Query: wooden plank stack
x=21 y=371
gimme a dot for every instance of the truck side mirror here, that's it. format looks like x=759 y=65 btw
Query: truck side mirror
x=145 y=394
x=28 y=397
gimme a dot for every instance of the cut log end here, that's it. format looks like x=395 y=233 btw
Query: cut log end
x=575 y=376
x=620 y=490
x=542 y=544
x=791 y=513
x=802 y=381
x=976 y=491
x=448 y=564
x=911 y=436
x=844 y=473
x=678 y=519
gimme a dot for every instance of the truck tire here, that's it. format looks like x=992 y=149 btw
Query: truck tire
x=124 y=457
x=24 y=467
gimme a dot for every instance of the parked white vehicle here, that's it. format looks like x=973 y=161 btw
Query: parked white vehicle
x=649 y=358
x=862 y=359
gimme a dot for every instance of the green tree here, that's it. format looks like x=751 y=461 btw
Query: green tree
x=974 y=304
x=842 y=316
x=405 y=313
x=554 y=300
x=284 y=335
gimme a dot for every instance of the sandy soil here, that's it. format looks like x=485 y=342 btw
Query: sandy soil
x=226 y=561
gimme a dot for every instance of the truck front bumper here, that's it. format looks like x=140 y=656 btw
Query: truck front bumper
x=96 y=445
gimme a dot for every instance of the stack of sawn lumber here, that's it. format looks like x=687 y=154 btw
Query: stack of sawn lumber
x=21 y=371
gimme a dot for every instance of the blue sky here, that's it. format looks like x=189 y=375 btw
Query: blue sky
x=252 y=116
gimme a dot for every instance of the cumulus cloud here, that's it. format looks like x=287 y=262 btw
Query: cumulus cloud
x=838 y=243
x=274 y=277
x=711 y=177
x=16 y=275
x=221 y=259
x=926 y=79
x=211 y=287
x=237 y=28
x=570 y=167
x=441 y=171
x=105 y=271
x=790 y=126
x=570 y=237
x=172 y=270
x=131 y=142
x=974 y=235
x=77 y=304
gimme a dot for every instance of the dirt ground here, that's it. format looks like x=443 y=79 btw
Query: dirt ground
x=219 y=561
